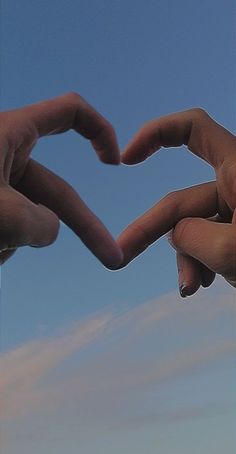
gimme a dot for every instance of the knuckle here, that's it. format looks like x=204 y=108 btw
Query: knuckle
x=17 y=129
x=198 y=113
x=173 y=201
x=71 y=100
x=71 y=96
x=183 y=227
x=171 y=196
x=103 y=126
x=104 y=130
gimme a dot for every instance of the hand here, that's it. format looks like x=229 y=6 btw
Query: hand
x=32 y=198
x=203 y=217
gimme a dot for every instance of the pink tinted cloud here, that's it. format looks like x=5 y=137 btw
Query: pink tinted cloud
x=24 y=368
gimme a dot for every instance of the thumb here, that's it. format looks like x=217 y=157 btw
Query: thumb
x=23 y=223
x=211 y=243
x=44 y=226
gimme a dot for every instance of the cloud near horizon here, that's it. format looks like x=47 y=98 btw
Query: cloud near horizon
x=127 y=354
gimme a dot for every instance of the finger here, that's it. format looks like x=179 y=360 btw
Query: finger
x=212 y=244
x=43 y=186
x=194 y=128
x=199 y=201
x=25 y=223
x=192 y=274
x=71 y=111
x=189 y=274
x=208 y=276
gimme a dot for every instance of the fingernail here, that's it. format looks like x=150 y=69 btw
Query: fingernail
x=183 y=291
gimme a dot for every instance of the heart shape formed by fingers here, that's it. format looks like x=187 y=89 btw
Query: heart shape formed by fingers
x=34 y=199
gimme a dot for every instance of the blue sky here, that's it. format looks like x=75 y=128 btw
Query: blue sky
x=133 y=61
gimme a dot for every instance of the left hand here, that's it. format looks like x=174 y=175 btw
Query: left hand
x=32 y=198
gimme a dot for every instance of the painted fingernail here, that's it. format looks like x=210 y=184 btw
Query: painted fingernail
x=183 y=290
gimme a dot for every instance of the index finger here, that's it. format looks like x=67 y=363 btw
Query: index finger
x=194 y=128
x=197 y=201
x=41 y=185
x=71 y=111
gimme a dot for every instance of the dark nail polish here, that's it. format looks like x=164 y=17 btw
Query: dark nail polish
x=183 y=291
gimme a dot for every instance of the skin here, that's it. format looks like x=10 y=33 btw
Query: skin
x=32 y=198
x=201 y=220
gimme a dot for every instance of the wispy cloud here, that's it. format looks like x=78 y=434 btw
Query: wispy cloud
x=177 y=415
x=23 y=367
x=132 y=352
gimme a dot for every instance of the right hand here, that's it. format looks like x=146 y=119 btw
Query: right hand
x=203 y=217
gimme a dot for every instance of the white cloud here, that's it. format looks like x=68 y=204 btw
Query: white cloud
x=23 y=367
x=131 y=352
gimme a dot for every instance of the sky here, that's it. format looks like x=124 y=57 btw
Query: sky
x=115 y=361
